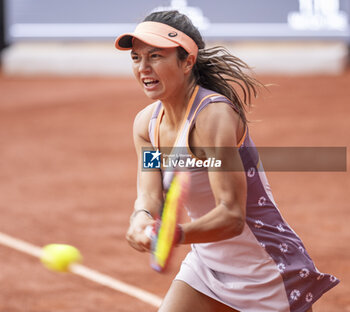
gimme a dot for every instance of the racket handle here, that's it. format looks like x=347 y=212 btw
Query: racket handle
x=149 y=231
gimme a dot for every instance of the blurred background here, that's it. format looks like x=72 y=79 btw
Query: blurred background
x=75 y=37
x=67 y=161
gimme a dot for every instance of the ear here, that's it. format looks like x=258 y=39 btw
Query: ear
x=189 y=63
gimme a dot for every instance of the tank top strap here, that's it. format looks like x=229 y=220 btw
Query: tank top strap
x=204 y=98
x=205 y=101
x=153 y=122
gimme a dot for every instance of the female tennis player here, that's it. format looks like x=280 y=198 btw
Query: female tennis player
x=244 y=255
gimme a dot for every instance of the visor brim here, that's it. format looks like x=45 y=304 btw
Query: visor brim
x=124 y=42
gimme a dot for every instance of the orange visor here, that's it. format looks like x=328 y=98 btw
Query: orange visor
x=158 y=35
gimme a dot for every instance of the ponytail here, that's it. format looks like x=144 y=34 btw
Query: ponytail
x=218 y=70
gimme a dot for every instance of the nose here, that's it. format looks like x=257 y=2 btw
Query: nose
x=144 y=65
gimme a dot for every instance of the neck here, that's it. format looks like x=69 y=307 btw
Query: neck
x=175 y=106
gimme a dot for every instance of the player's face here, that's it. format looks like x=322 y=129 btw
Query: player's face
x=158 y=70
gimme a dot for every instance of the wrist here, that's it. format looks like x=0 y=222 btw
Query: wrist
x=179 y=235
x=140 y=211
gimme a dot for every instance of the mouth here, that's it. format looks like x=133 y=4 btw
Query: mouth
x=149 y=82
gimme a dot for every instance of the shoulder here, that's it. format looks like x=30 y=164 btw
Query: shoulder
x=142 y=119
x=215 y=110
x=218 y=124
x=145 y=114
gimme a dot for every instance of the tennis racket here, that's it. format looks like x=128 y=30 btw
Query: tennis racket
x=165 y=234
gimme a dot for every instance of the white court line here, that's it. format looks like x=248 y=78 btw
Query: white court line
x=85 y=272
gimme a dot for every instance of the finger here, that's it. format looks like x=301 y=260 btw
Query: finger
x=145 y=242
x=138 y=247
x=139 y=241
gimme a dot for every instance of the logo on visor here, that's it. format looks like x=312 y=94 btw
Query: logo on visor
x=172 y=34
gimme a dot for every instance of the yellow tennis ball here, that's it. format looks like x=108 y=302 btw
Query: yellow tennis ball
x=58 y=257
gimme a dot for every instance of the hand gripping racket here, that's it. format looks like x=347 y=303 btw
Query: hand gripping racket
x=166 y=232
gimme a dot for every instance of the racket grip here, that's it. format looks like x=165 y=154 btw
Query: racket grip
x=149 y=231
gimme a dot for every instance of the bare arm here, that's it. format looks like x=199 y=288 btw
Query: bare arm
x=217 y=126
x=149 y=186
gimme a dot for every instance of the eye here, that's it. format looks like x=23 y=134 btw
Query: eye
x=155 y=55
x=134 y=57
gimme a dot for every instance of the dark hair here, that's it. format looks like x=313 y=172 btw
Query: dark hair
x=215 y=69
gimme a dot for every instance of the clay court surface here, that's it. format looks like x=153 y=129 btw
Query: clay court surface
x=68 y=175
